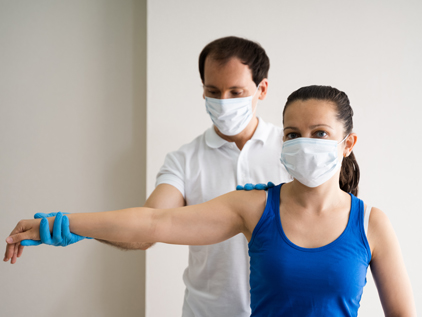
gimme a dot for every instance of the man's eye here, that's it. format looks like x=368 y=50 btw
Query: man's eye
x=291 y=136
x=321 y=134
x=211 y=92
x=236 y=93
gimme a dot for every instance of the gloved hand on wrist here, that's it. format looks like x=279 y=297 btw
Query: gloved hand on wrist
x=61 y=234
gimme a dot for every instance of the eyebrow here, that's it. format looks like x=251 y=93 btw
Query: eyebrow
x=311 y=127
x=233 y=87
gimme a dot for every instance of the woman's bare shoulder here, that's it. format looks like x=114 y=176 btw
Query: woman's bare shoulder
x=378 y=220
x=248 y=201
x=250 y=205
x=380 y=231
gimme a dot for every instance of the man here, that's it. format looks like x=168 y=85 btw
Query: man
x=239 y=148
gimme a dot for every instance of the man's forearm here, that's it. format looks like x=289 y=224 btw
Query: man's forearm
x=128 y=245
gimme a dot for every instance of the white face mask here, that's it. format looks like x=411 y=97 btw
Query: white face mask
x=232 y=115
x=311 y=161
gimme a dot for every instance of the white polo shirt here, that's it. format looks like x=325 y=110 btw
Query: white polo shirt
x=217 y=278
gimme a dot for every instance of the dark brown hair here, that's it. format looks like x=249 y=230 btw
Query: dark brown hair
x=248 y=52
x=349 y=174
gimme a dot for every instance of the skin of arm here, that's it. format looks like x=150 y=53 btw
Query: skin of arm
x=388 y=269
x=208 y=223
x=164 y=196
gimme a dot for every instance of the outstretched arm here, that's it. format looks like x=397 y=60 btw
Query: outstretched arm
x=207 y=223
x=388 y=269
x=163 y=197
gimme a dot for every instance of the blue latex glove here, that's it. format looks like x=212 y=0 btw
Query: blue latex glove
x=250 y=186
x=61 y=233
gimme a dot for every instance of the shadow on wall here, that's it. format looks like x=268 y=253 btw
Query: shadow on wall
x=119 y=278
x=123 y=284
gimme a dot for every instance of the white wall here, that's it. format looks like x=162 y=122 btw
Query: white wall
x=72 y=138
x=369 y=49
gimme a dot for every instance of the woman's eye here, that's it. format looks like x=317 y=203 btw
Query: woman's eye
x=321 y=134
x=290 y=136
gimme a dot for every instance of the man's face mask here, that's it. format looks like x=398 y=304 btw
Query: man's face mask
x=231 y=115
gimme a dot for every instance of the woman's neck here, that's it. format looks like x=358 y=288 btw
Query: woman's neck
x=318 y=200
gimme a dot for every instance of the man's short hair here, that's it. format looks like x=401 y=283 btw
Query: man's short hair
x=248 y=52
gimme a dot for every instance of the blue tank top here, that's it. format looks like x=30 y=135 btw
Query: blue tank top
x=288 y=280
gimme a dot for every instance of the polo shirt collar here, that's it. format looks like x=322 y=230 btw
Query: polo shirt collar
x=262 y=131
x=213 y=140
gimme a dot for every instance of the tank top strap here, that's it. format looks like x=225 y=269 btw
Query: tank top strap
x=274 y=199
x=357 y=218
x=270 y=211
x=357 y=212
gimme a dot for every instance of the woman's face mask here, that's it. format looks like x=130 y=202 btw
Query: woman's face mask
x=311 y=161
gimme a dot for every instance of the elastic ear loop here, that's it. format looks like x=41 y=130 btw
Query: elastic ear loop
x=343 y=141
x=257 y=88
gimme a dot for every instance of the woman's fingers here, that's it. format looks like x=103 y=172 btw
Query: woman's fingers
x=20 y=251
x=18 y=237
x=11 y=253
x=10 y=249
x=25 y=229
x=15 y=254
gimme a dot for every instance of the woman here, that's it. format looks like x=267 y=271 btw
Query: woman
x=308 y=240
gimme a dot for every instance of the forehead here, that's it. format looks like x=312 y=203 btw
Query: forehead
x=230 y=73
x=310 y=112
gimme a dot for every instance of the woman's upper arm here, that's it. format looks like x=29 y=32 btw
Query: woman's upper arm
x=388 y=267
x=208 y=223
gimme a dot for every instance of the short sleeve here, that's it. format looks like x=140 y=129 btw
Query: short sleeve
x=173 y=171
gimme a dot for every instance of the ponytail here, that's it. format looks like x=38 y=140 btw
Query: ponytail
x=349 y=175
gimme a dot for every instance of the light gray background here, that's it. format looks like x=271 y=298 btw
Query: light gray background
x=77 y=135
x=72 y=138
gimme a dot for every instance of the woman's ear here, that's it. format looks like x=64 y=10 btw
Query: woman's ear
x=349 y=144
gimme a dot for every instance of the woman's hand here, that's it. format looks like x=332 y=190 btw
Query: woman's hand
x=25 y=229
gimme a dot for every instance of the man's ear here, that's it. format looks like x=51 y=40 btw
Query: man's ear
x=350 y=144
x=263 y=89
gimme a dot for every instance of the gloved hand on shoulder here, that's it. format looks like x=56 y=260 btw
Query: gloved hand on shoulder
x=250 y=186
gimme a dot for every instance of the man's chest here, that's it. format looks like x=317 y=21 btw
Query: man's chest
x=217 y=172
